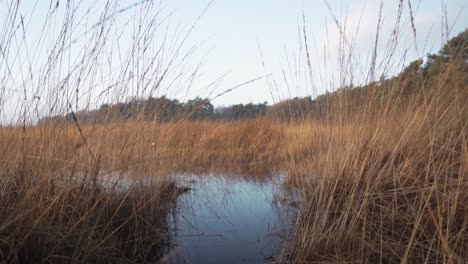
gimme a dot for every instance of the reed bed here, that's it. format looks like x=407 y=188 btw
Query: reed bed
x=383 y=177
x=387 y=187
x=387 y=190
x=57 y=206
x=63 y=219
x=146 y=148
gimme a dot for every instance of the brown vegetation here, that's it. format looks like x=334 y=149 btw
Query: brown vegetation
x=388 y=186
x=382 y=169
x=392 y=189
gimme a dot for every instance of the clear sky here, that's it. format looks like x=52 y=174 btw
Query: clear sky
x=237 y=39
x=231 y=30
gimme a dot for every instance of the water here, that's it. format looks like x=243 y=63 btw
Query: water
x=230 y=220
x=222 y=218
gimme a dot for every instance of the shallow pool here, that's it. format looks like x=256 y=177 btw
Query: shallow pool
x=229 y=219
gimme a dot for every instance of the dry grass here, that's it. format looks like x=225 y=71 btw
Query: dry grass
x=384 y=183
x=381 y=196
x=386 y=188
x=55 y=206
x=48 y=219
x=146 y=148
x=392 y=189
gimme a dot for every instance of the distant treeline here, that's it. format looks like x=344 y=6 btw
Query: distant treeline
x=405 y=89
x=167 y=110
x=164 y=109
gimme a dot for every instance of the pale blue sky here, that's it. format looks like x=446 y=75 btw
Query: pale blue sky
x=231 y=29
x=230 y=36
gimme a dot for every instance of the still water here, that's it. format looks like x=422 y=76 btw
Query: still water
x=230 y=220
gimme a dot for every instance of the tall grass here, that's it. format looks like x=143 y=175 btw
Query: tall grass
x=383 y=181
x=64 y=196
x=391 y=192
x=65 y=221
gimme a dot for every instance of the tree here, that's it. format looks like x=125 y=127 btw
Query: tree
x=198 y=108
x=162 y=108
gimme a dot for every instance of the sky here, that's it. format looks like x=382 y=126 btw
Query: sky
x=234 y=33
x=230 y=43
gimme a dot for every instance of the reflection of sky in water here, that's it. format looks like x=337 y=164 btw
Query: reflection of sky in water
x=228 y=220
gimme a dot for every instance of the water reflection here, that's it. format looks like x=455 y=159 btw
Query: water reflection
x=225 y=219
